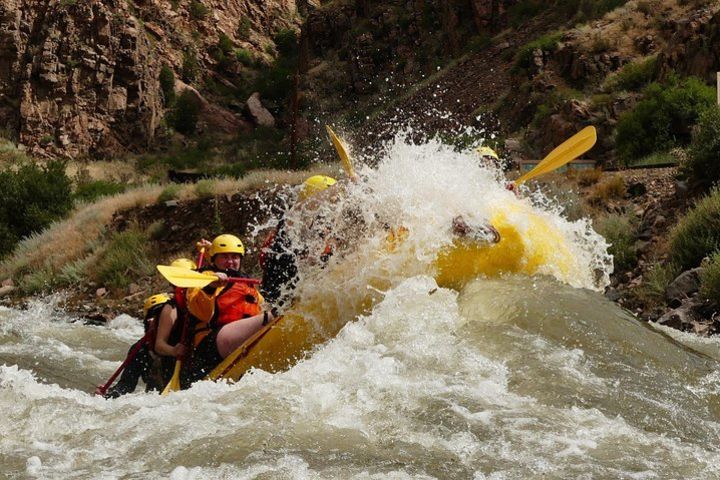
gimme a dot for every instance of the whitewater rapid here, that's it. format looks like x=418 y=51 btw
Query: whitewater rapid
x=487 y=383
x=526 y=373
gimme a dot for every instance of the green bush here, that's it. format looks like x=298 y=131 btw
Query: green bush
x=125 y=259
x=697 y=234
x=656 y=281
x=190 y=66
x=703 y=160
x=205 y=188
x=634 y=75
x=223 y=51
x=710 y=279
x=244 y=56
x=198 y=10
x=169 y=193
x=619 y=231
x=663 y=119
x=546 y=43
x=244 y=28
x=178 y=158
x=90 y=191
x=286 y=42
x=167 y=85
x=225 y=44
x=186 y=113
x=657 y=158
x=32 y=197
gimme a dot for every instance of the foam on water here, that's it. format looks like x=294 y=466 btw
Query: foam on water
x=506 y=377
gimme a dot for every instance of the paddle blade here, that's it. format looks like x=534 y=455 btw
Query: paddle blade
x=342 y=152
x=185 y=278
x=564 y=153
x=174 y=383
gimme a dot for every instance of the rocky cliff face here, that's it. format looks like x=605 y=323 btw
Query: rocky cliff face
x=80 y=77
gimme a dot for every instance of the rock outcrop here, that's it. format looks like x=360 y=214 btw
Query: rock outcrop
x=81 y=77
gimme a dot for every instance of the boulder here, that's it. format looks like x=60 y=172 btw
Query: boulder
x=685 y=285
x=5 y=290
x=260 y=115
x=681 y=318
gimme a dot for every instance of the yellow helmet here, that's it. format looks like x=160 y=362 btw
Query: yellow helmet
x=488 y=152
x=315 y=184
x=184 y=263
x=153 y=301
x=226 y=243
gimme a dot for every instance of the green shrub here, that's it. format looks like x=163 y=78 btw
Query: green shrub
x=190 y=66
x=656 y=281
x=205 y=188
x=73 y=273
x=610 y=188
x=178 y=158
x=90 y=191
x=125 y=259
x=657 y=158
x=32 y=197
x=169 y=193
x=663 y=119
x=244 y=56
x=167 y=85
x=235 y=170
x=37 y=281
x=244 y=28
x=633 y=76
x=223 y=51
x=620 y=232
x=697 y=234
x=703 y=160
x=198 y=10
x=710 y=279
x=546 y=43
x=225 y=44
x=186 y=113
x=478 y=43
x=286 y=42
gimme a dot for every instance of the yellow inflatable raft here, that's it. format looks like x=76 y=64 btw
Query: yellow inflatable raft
x=528 y=243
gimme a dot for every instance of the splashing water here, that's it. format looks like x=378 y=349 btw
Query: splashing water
x=506 y=376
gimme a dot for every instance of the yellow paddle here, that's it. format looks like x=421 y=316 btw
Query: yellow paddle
x=564 y=153
x=186 y=278
x=174 y=384
x=342 y=152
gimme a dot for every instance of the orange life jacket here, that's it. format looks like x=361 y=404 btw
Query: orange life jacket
x=235 y=302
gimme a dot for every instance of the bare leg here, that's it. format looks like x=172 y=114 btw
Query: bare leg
x=234 y=334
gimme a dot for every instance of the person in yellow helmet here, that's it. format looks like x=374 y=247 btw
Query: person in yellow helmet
x=279 y=254
x=141 y=361
x=227 y=313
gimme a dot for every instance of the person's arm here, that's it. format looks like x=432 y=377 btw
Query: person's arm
x=168 y=316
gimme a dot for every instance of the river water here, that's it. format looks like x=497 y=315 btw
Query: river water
x=513 y=376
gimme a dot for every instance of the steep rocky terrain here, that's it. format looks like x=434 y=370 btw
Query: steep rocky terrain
x=82 y=77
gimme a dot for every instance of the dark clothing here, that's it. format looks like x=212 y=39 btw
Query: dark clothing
x=205 y=358
x=281 y=273
x=145 y=365
x=154 y=369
